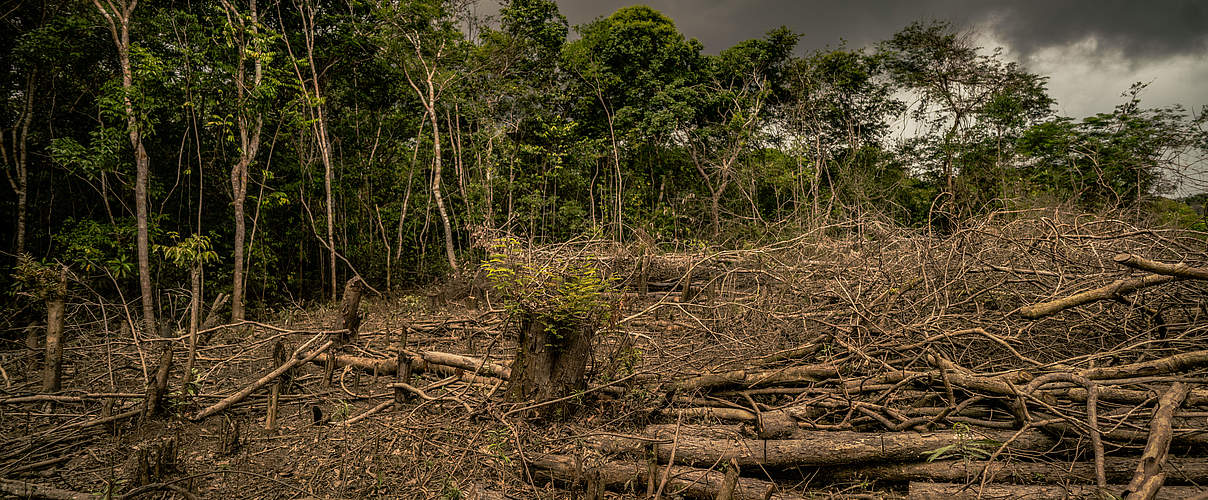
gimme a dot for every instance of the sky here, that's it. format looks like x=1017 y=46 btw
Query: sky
x=1092 y=50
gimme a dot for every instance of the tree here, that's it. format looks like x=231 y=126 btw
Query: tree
x=423 y=40
x=730 y=110
x=632 y=69
x=960 y=90
x=119 y=15
x=243 y=30
x=1114 y=159
x=837 y=114
x=315 y=104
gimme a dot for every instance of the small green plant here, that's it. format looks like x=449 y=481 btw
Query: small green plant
x=557 y=292
x=451 y=491
x=38 y=280
x=193 y=250
x=500 y=445
x=966 y=446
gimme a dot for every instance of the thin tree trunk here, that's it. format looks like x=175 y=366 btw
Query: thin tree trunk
x=437 y=166
x=20 y=184
x=249 y=138
x=118 y=15
x=194 y=318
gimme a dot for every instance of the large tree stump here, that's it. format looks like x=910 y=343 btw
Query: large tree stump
x=551 y=360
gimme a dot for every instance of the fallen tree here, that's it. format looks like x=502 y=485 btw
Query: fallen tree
x=632 y=476
x=820 y=448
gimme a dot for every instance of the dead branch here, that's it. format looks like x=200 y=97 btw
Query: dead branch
x=295 y=360
x=1180 y=270
x=1115 y=289
x=1150 y=474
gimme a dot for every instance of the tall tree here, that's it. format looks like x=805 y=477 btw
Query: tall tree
x=633 y=68
x=956 y=84
x=314 y=98
x=119 y=15
x=244 y=32
x=431 y=45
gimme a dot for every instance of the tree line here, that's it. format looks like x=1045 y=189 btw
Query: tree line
x=271 y=149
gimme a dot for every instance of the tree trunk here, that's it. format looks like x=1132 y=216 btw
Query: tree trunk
x=194 y=319
x=550 y=361
x=249 y=138
x=119 y=26
x=820 y=448
x=53 y=367
x=437 y=167
x=238 y=183
x=20 y=150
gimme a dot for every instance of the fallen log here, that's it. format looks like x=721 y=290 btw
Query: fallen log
x=742 y=378
x=1110 y=291
x=630 y=475
x=821 y=448
x=1150 y=475
x=1002 y=385
x=1177 y=363
x=22 y=489
x=1118 y=469
x=389 y=366
x=423 y=361
x=951 y=491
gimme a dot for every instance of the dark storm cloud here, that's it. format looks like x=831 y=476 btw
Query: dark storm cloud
x=1135 y=28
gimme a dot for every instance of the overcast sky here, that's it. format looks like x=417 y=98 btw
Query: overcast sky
x=1091 y=49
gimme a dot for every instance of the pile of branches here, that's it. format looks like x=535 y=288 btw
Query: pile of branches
x=1029 y=354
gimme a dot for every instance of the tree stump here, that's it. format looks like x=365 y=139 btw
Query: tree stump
x=551 y=360
x=278 y=385
x=158 y=386
x=52 y=369
x=152 y=463
x=350 y=316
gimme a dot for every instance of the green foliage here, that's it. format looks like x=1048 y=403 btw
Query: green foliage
x=38 y=280
x=542 y=136
x=559 y=292
x=966 y=446
x=96 y=247
x=195 y=250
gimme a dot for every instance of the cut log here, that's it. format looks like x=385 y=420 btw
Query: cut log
x=1179 y=270
x=822 y=448
x=630 y=475
x=472 y=365
x=950 y=491
x=418 y=364
x=1151 y=473
x=1118 y=469
x=1185 y=361
x=792 y=375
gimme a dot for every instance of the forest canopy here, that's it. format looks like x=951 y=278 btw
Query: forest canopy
x=278 y=148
